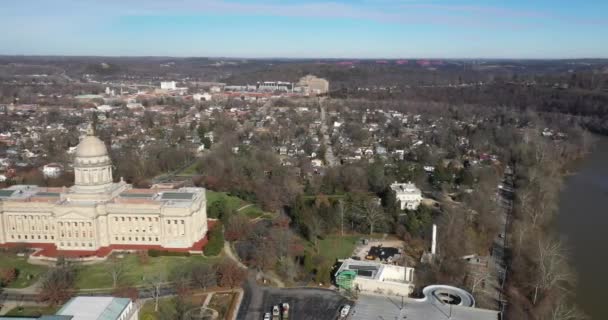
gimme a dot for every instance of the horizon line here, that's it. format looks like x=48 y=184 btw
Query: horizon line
x=299 y=58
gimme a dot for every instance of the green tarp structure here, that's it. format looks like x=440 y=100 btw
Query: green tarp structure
x=344 y=280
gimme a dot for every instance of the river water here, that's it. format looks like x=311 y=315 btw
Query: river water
x=583 y=222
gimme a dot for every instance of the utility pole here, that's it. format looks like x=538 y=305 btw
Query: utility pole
x=341 y=204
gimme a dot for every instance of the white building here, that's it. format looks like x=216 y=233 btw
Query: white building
x=201 y=97
x=168 y=85
x=52 y=170
x=91 y=308
x=408 y=195
x=98 y=213
x=379 y=277
x=312 y=85
x=99 y=308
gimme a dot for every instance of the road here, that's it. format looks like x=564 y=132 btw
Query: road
x=505 y=197
x=330 y=159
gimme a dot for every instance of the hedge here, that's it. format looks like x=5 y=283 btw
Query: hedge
x=216 y=241
x=159 y=253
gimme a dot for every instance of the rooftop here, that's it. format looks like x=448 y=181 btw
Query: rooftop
x=382 y=307
x=94 y=308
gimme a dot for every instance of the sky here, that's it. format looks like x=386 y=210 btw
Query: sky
x=387 y=29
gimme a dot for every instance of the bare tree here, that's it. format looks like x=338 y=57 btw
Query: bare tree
x=371 y=211
x=154 y=285
x=116 y=269
x=204 y=275
x=566 y=311
x=552 y=267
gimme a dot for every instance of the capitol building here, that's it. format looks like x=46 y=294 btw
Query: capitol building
x=98 y=215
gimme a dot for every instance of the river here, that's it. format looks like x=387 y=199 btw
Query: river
x=583 y=222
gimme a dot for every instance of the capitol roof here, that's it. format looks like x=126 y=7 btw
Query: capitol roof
x=91 y=146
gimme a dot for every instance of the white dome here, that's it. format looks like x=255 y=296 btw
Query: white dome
x=91 y=146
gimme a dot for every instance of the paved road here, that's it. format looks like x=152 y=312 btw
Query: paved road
x=500 y=248
x=330 y=159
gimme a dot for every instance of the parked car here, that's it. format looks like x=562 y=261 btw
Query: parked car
x=267 y=316
x=345 y=310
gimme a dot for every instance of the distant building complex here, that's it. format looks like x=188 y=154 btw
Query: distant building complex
x=312 y=85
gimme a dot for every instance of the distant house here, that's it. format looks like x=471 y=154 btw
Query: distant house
x=52 y=170
x=408 y=195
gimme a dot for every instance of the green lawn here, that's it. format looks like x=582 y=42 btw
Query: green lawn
x=147 y=310
x=233 y=202
x=27 y=311
x=98 y=275
x=190 y=170
x=252 y=212
x=28 y=274
x=336 y=247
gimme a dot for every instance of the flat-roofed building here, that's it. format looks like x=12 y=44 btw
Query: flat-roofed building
x=91 y=308
x=376 y=277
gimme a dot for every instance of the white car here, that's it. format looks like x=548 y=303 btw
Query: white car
x=345 y=310
x=267 y=316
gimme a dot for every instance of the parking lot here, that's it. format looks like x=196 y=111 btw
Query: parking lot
x=304 y=303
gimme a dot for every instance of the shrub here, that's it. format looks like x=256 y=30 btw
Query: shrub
x=7 y=276
x=166 y=253
x=216 y=241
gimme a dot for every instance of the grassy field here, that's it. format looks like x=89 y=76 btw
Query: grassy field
x=337 y=247
x=147 y=310
x=27 y=311
x=28 y=274
x=233 y=202
x=98 y=276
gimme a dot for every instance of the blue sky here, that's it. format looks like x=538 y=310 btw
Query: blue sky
x=307 y=28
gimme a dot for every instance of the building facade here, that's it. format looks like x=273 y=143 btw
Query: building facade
x=408 y=195
x=97 y=212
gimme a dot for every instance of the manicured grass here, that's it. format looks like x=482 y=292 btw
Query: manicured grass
x=147 y=310
x=27 y=275
x=33 y=311
x=98 y=275
x=336 y=247
x=235 y=203
x=252 y=212
x=232 y=202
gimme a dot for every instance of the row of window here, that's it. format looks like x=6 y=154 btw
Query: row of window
x=135 y=219
x=32 y=237
x=75 y=224
x=69 y=234
x=136 y=239
x=76 y=244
